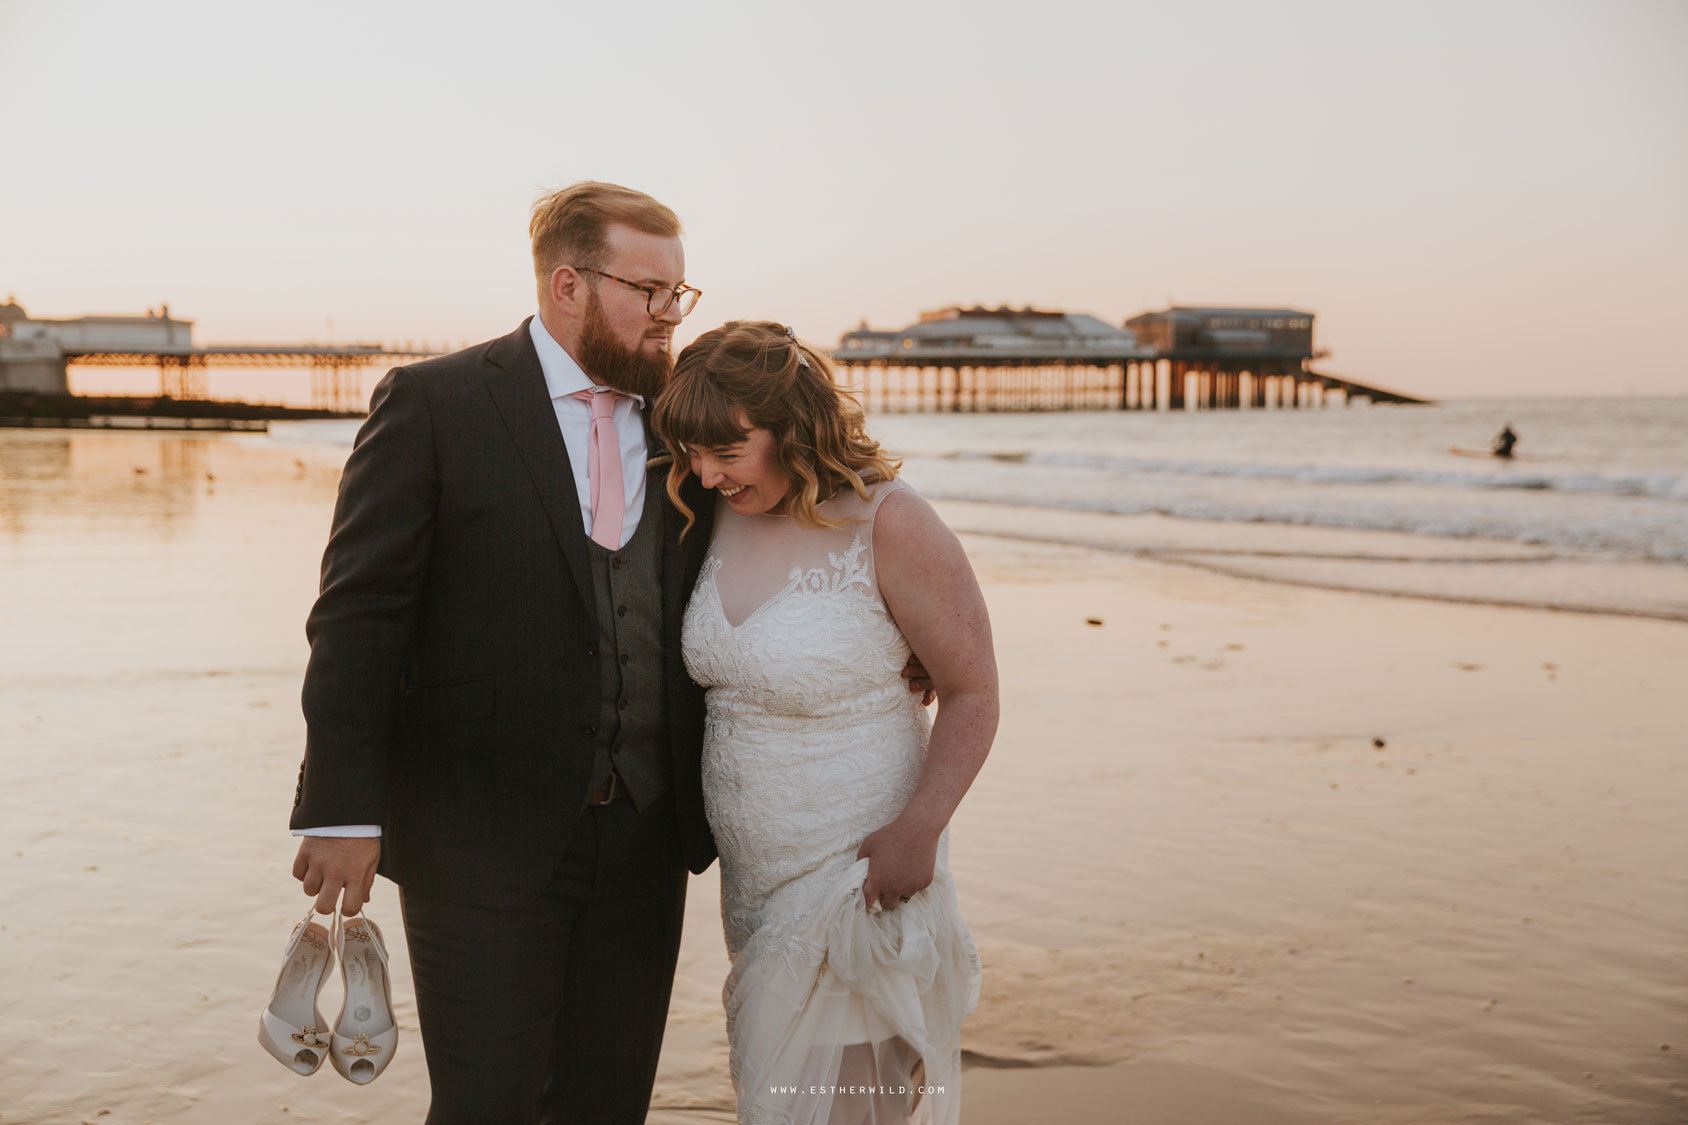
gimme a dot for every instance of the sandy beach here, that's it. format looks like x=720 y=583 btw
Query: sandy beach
x=1245 y=851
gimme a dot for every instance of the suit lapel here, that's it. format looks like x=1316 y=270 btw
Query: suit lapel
x=656 y=480
x=680 y=561
x=517 y=385
x=673 y=568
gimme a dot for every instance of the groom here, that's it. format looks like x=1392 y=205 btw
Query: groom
x=498 y=717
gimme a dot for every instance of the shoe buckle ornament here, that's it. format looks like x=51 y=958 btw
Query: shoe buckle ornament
x=309 y=1037
x=361 y=1046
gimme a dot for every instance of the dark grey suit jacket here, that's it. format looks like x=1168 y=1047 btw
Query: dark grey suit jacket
x=453 y=679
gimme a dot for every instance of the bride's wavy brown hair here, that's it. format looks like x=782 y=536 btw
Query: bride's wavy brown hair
x=755 y=370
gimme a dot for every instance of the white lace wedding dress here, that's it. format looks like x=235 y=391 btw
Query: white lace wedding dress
x=814 y=741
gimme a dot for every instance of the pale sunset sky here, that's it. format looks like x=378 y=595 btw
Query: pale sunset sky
x=1477 y=199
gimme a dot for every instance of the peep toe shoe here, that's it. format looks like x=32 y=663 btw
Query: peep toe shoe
x=365 y=1034
x=291 y=1026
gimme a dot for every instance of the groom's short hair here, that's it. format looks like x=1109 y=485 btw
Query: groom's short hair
x=571 y=227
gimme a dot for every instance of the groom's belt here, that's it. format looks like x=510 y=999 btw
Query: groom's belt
x=612 y=789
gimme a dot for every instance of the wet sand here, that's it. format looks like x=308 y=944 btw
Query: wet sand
x=1200 y=890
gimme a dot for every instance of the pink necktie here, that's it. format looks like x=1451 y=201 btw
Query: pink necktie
x=603 y=468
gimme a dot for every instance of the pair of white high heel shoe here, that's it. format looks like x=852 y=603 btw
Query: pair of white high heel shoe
x=362 y=1040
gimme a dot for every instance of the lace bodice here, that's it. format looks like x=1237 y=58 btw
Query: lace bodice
x=789 y=619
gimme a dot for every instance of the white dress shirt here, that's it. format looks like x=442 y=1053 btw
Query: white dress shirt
x=563 y=377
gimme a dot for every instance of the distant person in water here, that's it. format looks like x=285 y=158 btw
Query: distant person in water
x=1504 y=441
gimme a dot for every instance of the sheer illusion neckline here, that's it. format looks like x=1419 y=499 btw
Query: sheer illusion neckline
x=836 y=493
x=793 y=583
x=721 y=608
x=754 y=564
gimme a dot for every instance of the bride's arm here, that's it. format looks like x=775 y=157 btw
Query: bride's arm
x=929 y=587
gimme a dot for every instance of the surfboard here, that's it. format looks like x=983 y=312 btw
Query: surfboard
x=1459 y=451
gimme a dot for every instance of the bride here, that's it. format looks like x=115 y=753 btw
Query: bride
x=828 y=796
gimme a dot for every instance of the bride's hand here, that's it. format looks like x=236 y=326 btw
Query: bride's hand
x=901 y=857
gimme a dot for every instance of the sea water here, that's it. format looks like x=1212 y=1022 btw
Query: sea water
x=1605 y=475
x=1595 y=502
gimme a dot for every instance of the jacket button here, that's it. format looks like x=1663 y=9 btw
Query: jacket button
x=622 y=705
x=621 y=611
x=592 y=650
x=624 y=659
x=616 y=562
x=589 y=729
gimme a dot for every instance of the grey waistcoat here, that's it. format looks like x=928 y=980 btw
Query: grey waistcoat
x=632 y=724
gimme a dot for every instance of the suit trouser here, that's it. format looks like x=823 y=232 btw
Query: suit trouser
x=554 y=1012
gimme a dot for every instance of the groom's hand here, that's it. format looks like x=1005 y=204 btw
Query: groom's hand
x=340 y=867
x=915 y=673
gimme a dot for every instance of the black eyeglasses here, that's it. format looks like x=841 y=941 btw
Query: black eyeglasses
x=658 y=298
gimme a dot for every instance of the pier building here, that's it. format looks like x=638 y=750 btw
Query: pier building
x=956 y=359
x=1243 y=358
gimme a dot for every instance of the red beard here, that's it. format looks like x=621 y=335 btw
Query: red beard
x=606 y=359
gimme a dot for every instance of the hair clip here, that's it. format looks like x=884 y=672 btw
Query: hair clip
x=796 y=346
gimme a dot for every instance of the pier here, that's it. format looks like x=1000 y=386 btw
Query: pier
x=978 y=359
x=952 y=360
x=36 y=355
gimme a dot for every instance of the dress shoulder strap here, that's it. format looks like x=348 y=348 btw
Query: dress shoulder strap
x=882 y=489
x=848 y=506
